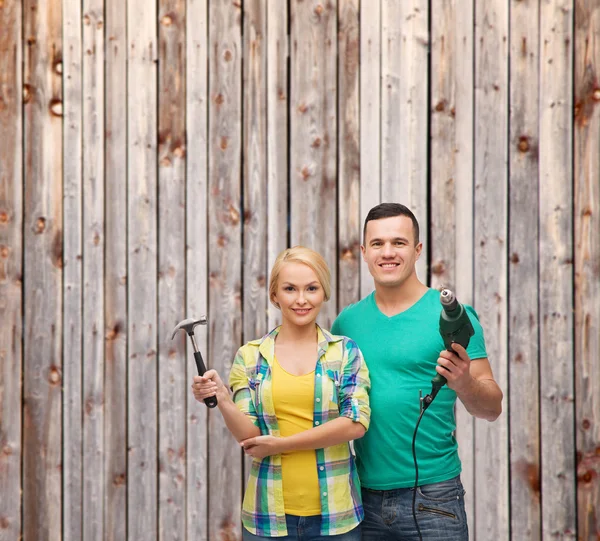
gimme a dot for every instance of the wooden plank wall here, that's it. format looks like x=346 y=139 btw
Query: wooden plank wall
x=155 y=159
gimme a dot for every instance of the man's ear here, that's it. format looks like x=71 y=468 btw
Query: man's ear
x=363 y=251
x=419 y=249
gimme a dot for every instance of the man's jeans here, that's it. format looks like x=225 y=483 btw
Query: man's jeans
x=440 y=510
x=305 y=529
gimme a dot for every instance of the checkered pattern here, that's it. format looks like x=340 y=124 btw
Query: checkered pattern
x=341 y=389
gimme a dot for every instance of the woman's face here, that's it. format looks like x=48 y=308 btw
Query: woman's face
x=299 y=294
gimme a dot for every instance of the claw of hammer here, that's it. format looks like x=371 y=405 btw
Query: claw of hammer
x=188 y=325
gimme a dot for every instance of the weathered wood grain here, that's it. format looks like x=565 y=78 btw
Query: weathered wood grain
x=255 y=176
x=142 y=395
x=587 y=265
x=523 y=299
x=370 y=121
x=11 y=268
x=93 y=269
x=115 y=277
x=451 y=181
x=490 y=274
x=313 y=133
x=172 y=363
x=225 y=241
x=349 y=256
x=72 y=70
x=404 y=109
x=556 y=271
x=43 y=262
x=278 y=138
x=196 y=292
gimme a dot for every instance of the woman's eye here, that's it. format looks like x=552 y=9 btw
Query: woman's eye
x=313 y=288
x=288 y=288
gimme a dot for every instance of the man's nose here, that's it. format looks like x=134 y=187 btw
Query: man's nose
x=387 y=250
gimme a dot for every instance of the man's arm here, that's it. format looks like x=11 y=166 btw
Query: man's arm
x=473 y=382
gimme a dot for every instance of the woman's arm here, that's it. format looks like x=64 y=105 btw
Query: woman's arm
x=334 y=432
x=238 y=423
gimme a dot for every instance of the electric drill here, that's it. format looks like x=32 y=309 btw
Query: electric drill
x=455 y=327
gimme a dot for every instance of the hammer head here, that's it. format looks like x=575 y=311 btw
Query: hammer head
x=188 y=325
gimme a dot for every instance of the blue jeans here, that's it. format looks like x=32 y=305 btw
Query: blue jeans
x=440 y=510
x=304 y=529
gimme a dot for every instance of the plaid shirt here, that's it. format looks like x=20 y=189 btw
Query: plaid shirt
x=341 y=389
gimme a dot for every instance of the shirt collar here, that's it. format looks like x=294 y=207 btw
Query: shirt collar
x=267 y=343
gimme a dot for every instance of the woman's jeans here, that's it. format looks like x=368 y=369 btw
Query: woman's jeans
x=304 y=529
x=440 y=510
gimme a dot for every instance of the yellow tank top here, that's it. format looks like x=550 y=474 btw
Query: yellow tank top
x=293 y=398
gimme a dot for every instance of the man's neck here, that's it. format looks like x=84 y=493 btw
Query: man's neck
x=396 y=299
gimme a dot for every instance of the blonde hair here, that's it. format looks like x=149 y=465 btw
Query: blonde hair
x=306 y=256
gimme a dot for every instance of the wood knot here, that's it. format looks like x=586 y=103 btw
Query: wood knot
x=318 y=9
x=523 y=143
x=56 y=107
x=119 y=480
x=4 y=523
x=439 y=267
x=227 y=55
x=302 y=108
x=596 y=94
x=86 y=20
x=26 y=93
x=54 y=375
x=4 y=251
x=3 y=217
x=316 y=142
x=224 y=142
x=58 y=67
x=7 y=450
x=441 y=105
x=40 y=225
x=586 y=424
x=305 y=172
x=166 y=20
x=347 y=255
x=514 y=258
x=219 y=99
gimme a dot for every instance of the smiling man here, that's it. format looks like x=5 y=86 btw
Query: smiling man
x=397 y=329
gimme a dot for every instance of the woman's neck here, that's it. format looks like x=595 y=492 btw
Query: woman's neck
x=295 y=333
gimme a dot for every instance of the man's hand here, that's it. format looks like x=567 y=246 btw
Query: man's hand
x=455 y=367
x=262 y=446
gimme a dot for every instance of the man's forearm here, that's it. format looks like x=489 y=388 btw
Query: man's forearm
x=482 y=398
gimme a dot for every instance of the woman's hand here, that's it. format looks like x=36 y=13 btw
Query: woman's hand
x=262 y=446
x=210 y=384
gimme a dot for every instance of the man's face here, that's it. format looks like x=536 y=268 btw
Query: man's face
x=390 y=250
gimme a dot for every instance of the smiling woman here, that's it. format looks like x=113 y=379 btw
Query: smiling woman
x=300 y=394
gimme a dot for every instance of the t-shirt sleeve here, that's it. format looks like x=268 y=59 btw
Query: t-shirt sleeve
x=476 y=349
x=336 y=328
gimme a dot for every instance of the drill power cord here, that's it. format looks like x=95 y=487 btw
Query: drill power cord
x=425 y=402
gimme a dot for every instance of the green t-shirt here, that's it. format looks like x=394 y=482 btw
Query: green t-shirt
x=401 y=353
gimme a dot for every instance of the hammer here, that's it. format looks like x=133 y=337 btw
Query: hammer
x=188 y=326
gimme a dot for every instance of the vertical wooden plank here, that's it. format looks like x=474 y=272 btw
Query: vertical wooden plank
x=556 y=271
x=277 y=140
x=142 y=270
x=348 y=278
x=370 y=121
x=11 y=267
x=173 y=376
x=196 y=294
x=115 y=279
x=225 y=273
x=523 y=301
x=73 y=272
x=451 y=147
x=490 y=274
x=43 y=241
x=93 y=269
x=255 y=169
x=587 y=265
x=405 y=42
x=313 y=133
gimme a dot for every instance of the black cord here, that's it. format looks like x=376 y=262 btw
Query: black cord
x=414 y=451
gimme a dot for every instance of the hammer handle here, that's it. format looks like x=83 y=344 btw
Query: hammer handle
x=211 y=401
